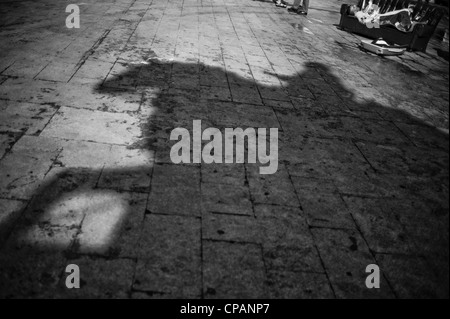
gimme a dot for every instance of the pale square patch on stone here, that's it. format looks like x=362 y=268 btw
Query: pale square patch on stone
x=105 y=229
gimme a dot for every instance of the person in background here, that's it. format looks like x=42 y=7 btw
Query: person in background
x=300 y=9
x=280 y=3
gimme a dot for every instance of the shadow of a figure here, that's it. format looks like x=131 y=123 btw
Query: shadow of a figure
x=337 y=152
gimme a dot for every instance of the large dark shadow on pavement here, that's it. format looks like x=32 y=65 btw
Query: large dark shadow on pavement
x=322 y=129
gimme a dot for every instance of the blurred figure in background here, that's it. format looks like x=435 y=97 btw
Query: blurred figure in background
x=300 y=9
x=280 y=3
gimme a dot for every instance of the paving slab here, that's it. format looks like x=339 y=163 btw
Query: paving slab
x=285 y=285
x=86 y=175
x=25 y=166
x=102 y=127
x=233 y=268
x=101 y=278
x=346 y=256
x=406 y=275
x=169 y=256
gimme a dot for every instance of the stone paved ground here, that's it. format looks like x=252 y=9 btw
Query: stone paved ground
x=86 y=178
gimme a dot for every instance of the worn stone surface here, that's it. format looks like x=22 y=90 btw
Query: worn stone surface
x=175 y=190
x=127 y=170
x=233 y=174
x=86 y=175
x=102 y=127
x=298 y=285
x=346 y=256
x=382 y=230
x=271 y=189
x=10 y=211
x=232 y=228
x=233 y=269
x=227 y=199
x=112 y=223
x=27 y=274
x=78 y=154
x=410 y=277
x=7 y=140
x=169 y=256
x=101 y=278
x=25 y=166
x=286 y=239
x=322 y=204
x=28 y=118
